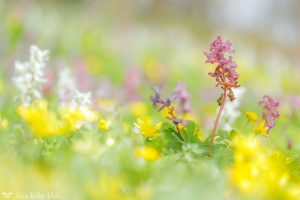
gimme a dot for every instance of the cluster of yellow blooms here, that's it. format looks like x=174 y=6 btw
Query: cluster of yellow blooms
x=44 y=122
x=261 y=173
x=148 y=130
x=259 y=127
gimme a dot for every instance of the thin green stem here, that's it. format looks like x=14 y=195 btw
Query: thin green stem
x=213 y=134
x=176 y=125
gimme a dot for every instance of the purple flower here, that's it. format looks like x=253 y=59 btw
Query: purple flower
x=226 y=67
x=177 y=121
x=160 y=103
x=270 y=111
x=181 y=94
x=156 y=99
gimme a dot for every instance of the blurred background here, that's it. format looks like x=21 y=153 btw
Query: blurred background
x=119 y=49
x=264 y=33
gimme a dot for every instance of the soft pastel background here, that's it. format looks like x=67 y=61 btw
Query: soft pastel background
x=118 y=50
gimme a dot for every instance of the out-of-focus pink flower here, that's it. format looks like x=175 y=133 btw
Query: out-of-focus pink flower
x=295 y=102
x=270 y=111
x=131 y=84
x=226 y=68
x=181 y=94
x=82 y=77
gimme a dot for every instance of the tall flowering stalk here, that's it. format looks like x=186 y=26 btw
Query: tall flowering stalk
x=225 y=75
x=270 y=113
x=160 y=103
x=29 y=76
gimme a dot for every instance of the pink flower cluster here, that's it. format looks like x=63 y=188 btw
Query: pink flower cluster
x=270 y=111
x=226 y=68
x=181 y=95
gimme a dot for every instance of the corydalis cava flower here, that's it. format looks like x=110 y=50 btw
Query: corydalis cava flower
x=270 y=113
x=225 y=75
x=157 y=102
x=225 y=72
x=226 y=67
x=29 y=75
x=160 y=103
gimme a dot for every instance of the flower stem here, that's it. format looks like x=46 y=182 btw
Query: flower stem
x=213 y=134
x=176 y=125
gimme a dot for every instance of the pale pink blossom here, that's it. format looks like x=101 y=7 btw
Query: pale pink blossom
x=270 y=113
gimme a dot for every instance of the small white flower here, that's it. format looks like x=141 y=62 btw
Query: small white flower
x=231 y=110
x=82 y=99
x=38 y=56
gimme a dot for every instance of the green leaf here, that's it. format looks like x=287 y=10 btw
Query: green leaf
x=189 y=135
x=169 y=136
x=232 y=134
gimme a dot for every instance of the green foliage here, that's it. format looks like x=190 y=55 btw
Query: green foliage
x=189 y=134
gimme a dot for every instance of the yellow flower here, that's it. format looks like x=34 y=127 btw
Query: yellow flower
x=245 y=146
x=77 y=116
x=147 y=153
x=42 y=122
x=252 y=116
x=104 y=125
x=257 y=170
x=147 y=128
x=260 y=128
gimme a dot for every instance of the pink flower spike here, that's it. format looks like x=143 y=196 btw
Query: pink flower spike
x=270 y=113
x=225 y=72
